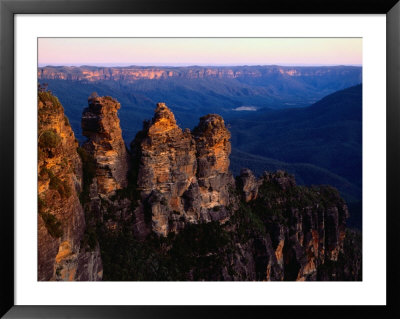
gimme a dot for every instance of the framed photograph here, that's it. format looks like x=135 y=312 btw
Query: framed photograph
x=191 y=160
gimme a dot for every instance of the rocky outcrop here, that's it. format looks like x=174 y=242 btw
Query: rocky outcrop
x=306 y=225
x=106 y=164
x=287 y=233
x=279 y=178
x=168 y=158
x=167 y=168
x=100 y=124
x=183 y=177
x=248 y=183
x=61 y=221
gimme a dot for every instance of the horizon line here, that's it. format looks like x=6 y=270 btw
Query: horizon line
x=44 y=65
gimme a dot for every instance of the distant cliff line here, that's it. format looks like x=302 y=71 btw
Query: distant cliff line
x=134 y=73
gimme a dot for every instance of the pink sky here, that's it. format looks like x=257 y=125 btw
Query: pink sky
x=199 y=51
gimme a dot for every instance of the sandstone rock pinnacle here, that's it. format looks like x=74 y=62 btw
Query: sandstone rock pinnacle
x=181 y=176
x=100 y=124
x=168 y=165
x=213 y=150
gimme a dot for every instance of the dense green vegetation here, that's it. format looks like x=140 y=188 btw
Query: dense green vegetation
x=274 y=205
x=49 y=139
x=202 y=251
x=60 y=186
x=320 y=144
x=53 y=225
x=47 y=96
x=305 y=173
x=327 y=135
x=197 y=253
x=55 y=183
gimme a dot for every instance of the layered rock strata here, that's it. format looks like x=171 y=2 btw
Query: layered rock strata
x=305 y=226
x=167 y=169
x=132 y=73
x=61 y=221
x=182 y=177
x=213 y=149
x=108 y=160
x=100 y=124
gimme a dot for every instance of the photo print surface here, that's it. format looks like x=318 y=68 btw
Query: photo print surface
x=199 y=159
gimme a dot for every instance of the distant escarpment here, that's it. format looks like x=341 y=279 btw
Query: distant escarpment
x=63 y=253
x=135 y=73
x=169 y=208
x=231 y=91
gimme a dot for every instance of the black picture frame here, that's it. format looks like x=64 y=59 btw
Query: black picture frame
x=9 y=8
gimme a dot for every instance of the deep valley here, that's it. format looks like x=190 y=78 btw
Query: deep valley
x=162 y=202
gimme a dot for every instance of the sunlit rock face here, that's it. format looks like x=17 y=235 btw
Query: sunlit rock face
x=213 y=149
x=182 y=176
x=100 y=124
x=132 y=73
x=61 y=222
x=167 y=157
x=109 y=159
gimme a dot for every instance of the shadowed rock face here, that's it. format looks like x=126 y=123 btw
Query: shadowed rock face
x=61 y=222
x=100 y=124
x=248 y=184
x=306 y=226
x=182 y=176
